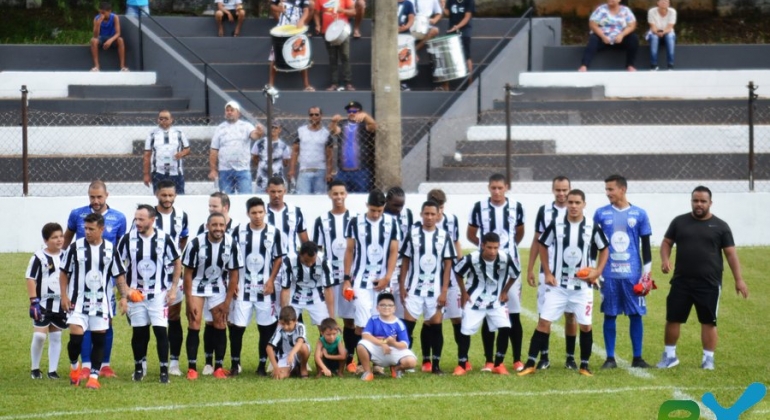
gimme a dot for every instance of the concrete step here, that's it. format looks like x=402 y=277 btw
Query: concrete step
x=530 y=117
x=476 y=174
x=137 y=118
x=114 y=92
x=529 y=95
x=688 y=57
x=99 y=106
x=497 y=147
x=59 y=58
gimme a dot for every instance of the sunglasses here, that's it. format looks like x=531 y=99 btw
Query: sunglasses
x=314 y=114
x=352 y=111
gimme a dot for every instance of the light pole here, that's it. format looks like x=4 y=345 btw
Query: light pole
x=509 y=91
x=271 y=94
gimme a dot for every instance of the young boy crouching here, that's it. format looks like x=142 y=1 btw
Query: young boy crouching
x=385 y=341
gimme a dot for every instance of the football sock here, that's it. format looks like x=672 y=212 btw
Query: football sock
x=97 y=354
x=36 y=350
x=502 y=344
x=487 y=341
x=707 y=353
x=139 y=340
x=437 y=346
x=54 y=350
x=348 y=338
x=517 y=335
x=108 y=337
x=586 y=342
x=535 y=345
x=571 y=340
x=410 y=325
x=74 y=347
x=671 y=352
x=85 y=349
x=426 y=338
x=236 y=343
x=161 y=338
x=220 y=346
x=265 y=334
x=175 y=335
x=193 y=341
x=610 y=330
x=463 y=346
x=208 y=344
x=636 y=329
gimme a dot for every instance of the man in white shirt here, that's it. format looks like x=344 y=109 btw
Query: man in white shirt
x=229 y=158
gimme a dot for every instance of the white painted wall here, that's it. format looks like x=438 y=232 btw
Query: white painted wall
x=53 y=84
x=743 y=211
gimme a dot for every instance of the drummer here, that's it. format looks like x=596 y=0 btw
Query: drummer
x=405 y=22
x=325 y=16
x=290 y=12
x=431 y=11
x=460 y=13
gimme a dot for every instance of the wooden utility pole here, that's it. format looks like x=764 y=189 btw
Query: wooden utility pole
x=387 y=94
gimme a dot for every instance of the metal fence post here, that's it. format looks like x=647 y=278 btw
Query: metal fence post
x=24 y=139
x=206 y=91
x=508 y=148
x=141 y=42
x=427 y=152
x=752 y=99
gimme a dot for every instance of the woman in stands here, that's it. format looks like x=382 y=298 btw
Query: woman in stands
x=612 y=26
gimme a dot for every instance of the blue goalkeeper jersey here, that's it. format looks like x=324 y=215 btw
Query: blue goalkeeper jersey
x=623 y=228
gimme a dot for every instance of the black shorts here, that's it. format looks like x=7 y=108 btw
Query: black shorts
x=466 y=41
x=332 y=365
x=59 y=320
x=683 y=295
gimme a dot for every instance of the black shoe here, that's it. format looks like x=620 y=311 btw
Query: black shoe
x=53 y=375
x=570 y=364
x=543 y=364
x=638 y=362
x=137 y=376
x=437 y=371
x=235 y=371
x=164 y=378
x=671 y=67
x=654 y=68
x=36 y=374
x=610 y=363
x=261 y=371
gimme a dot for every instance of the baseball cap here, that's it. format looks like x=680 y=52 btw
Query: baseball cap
x=234 y=105
x=354 y=104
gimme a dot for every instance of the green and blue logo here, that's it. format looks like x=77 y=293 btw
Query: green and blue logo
x=686 y=409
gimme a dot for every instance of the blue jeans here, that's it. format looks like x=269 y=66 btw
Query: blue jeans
x=311 y=182
x=134 y=10
x=669 y=40
x=357 y=181
x=232 y=181
x=178 y=181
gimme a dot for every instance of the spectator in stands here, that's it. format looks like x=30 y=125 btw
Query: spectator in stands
x=280 y=155
x=460 y=13
x=324 y=17
x=355 y=155
x=229 y=8
x=136 y=7
x=405 y=21
x=309 y=149
x=289 y=12
x=107 y=34
x=662 y=20
x=229 y=156
x=164 y=150
x=360 y=9
x=612 y=26
x=430 y=10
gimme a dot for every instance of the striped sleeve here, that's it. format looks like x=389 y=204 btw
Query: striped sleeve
x=190 y=256
x=547 y=237
x=474 y=219
x=287 y=274
x=117 y=267
x=172 y=252
x=236 y=258
x=449 y=252
x=463 y=266
x=34 y=269
x=599 y=238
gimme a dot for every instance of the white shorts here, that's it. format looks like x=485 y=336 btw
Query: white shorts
x=89 y=323
x=418 y=305
x=284 y=361
x=149 y=312
x=540 y=292
x=453 y=309
x=559 y=300
x=211 y=302
x=473 y=318
x=379 y=358
x=514 y=297
x=179 y=294
x=277 y=290
x=343 y=308
x=241 y=313
x=317 y=310
x=366 y=305
x=396 y=290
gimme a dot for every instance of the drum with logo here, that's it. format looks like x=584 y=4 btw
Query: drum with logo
x=407 y=57
x=420 y=27
x=291 y=48
x=337 y=33
x=448 y=58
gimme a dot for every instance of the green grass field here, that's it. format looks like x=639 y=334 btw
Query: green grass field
x=742 y=358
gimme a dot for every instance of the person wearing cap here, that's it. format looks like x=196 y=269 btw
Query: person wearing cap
x=229 y=161
x=385 y=341
x=280 y=157
x=354 y=138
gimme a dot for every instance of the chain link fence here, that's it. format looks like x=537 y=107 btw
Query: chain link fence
x=659 y=147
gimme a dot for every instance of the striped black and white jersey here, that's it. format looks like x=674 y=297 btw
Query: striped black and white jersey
x=572 y=248
x=43 y=269
x=545 y=214
x=260 y=249
x=329 y=234
x=164 y=145
x=211 y=262
x=289 y=221
x=372 y=248
x=283 y=341
x=405 y=221
x=427 y=251
x=90 y=268
x=229 y=228
x=147 y=261
x=485 y=280
x=501 y=220
x=301 y=280
x=174 y=223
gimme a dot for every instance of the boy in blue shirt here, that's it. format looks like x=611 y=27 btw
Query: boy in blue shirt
x=385 y=341
x=107 y=34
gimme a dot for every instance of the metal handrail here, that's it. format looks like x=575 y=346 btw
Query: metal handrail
x=206 y=65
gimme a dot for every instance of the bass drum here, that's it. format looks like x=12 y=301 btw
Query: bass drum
x=448 y=58
x=291 y=48
x=337 y=33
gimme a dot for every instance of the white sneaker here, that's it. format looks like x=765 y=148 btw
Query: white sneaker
x=667 y=362
x=173 y=369
x=708 y=363
x=208 y=370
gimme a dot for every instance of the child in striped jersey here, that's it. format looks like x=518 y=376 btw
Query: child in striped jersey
x=288 y=350
x=330 y=354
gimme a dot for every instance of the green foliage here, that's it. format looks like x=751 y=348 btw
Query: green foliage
x=741 y=358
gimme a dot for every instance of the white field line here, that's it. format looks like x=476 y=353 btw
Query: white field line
x=345 y=398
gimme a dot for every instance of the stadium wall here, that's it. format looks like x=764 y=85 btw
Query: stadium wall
x=25 y=216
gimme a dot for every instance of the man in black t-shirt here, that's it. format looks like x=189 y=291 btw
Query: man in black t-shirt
x=460 y=13
x=701 y=238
